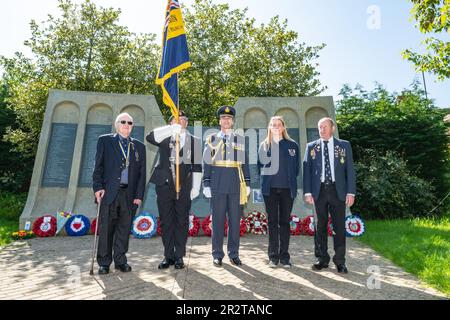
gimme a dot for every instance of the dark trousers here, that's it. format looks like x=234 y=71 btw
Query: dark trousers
x=114 y=231
x=329 y=202
x=221 y=204
x=279 y=207
x=174 y=215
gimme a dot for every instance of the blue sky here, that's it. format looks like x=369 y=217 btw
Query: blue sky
x=364 y=38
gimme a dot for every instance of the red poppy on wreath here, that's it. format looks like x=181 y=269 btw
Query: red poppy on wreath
x=45 y=226
x=194 y=225
x=294 y=224
x=256 y=222
x=207 y=226
x=307 y=226
x=93 y=226
x=158 y=228
x=243 y=228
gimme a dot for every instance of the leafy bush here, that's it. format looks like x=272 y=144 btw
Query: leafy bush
x=11 y=205
x=387 y=189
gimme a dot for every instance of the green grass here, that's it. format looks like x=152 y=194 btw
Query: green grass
x=6 y=227
x=419 y=246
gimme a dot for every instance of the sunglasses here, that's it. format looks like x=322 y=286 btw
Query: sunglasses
x=130 y=123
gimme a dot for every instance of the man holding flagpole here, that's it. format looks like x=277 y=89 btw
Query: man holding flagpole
x=175 y=58
x=174 y=195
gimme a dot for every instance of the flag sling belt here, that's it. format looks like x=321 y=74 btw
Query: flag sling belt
x=238 y=166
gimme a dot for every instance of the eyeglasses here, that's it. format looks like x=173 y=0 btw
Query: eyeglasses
x=130 y=123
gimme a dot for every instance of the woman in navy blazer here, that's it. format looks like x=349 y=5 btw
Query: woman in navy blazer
x=279 y=163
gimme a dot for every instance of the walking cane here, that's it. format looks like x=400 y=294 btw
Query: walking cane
x=94 y=249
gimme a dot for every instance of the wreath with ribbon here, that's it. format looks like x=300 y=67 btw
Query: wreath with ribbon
x=194 y=225
x=77 y=225
x=294 y=224
x=45 y=226
x=256 y=222
x=207 y=226
x=354 y=226
x=144 y=225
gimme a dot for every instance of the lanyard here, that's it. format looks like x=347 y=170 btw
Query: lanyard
x=127 y=156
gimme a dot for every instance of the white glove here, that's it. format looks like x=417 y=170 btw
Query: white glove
x=176 y=128
x=196 y=183
x=207 y=192
x=194 y=193
x=248 y=191
x=162 y=133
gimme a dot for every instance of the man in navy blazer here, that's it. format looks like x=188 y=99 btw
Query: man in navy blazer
x=119 y=184
x=329 y=184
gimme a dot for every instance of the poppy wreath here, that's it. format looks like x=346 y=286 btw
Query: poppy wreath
x=77 y=225
x=144 y=226
x=45 y=226
x=256 y=222
x=243 y=228
x=194 y=225
x=294 y=224
x=93 y=226
x=207 y=226
x=354 y=226
x=158 y=228
x=307 y=226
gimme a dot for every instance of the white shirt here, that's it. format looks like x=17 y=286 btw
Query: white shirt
x=182 y=139
x=331 y=157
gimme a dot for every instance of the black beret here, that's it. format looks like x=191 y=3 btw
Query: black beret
x=226 y=110
x=181 y=114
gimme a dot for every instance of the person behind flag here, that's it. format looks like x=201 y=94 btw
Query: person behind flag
x=173 y=212
x=226 y=180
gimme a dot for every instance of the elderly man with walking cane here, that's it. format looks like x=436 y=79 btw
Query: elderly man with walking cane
x=119 y=184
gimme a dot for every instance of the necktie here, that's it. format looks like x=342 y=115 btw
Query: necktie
x=328 y=178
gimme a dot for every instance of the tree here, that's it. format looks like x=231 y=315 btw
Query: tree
x=14 y=169
x=232 y=57
x=85 y=49
x=406 y=123
x=432 y=16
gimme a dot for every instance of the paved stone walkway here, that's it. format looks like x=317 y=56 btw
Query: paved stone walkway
x=58 y=268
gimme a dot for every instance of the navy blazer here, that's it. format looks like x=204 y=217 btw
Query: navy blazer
x=109 y=165
x=344 y=171
x=290 y=149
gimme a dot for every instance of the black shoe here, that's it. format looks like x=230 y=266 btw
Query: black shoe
x=103 y=270
x=179 y=263
x=217 y=262
x=236 y=261
x=123 y=267
x=319 y=266
x=166 y=263
x=341 y=268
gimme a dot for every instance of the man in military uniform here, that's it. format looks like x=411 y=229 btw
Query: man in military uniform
x=174 y=213
x=226 y=180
